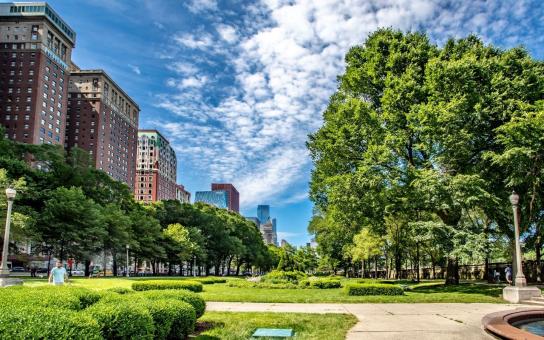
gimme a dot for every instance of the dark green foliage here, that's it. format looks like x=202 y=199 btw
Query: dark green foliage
x=167 y=284
x=172 y=319
x=320 y=283
x=49 y=296
x=191 y=298
x=122 y=319
x=33 y=322
x=373 y=289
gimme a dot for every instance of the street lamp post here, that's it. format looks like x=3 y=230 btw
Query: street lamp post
x=4 y=270
x=520 y=280
x=128 y=267
x=520 y=292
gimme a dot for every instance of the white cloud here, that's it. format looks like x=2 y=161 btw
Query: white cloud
x=197 y=6
x=286 y=58
x=135 y=69
x=228 y=33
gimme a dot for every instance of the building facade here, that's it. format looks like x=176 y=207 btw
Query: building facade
x=217 y=198
x=233 y=197
x=103 y=120
x=182 y=195
x=266 y=225
x=156 y=167
x=36 y=47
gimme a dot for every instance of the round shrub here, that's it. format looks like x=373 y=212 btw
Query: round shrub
x=167 y=284
x=172 y=319
x=122 y=320
x=181 y=295
x=279 y=276
x=358 y=289
x=34 y=322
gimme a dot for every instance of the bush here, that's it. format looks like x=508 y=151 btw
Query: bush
x=373 y=289
x=181 y=295
x=34 y=322
x=120 y=290
x=167 y=284
x=279 y=276
x=50 y=296
x=172 y=319
x=267 y=285
x=324 y=284
x=122 y=320
x=211 y=280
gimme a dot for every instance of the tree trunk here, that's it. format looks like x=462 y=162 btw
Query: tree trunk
x=114 y=257
x=376 y=266
x=87 y=268
x=49 y=261
x=398 y=265
x=238 y=265
x=417 y=261
x=538 y=247
x=452 y=271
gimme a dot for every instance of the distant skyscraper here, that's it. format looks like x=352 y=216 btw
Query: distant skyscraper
x=233 y=197
x=263 y=213
x=218 y=198
x=182 y=195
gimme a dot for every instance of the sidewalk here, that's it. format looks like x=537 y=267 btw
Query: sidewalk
x=421 y=321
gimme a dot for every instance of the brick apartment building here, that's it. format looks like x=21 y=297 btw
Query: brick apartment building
x=103 y=120
x=35 y=46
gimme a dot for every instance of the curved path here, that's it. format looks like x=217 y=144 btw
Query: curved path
x=404 y=321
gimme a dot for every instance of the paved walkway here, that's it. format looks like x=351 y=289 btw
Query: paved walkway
x=421 y=321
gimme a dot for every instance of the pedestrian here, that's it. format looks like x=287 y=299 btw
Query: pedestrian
x=33 y=271
x=497 y=276
x=58 y=275
x=508 y=274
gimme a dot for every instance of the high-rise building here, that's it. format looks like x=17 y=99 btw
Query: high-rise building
x=182 y=195
x=156 y=167
x=218 y=198
x=263 y=213
x=233 y=197
x=103 y=120
x=36 y=46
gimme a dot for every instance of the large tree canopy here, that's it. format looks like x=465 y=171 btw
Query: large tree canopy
x=431 y=137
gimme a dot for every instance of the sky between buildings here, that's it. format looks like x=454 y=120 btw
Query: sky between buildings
x=236 y=86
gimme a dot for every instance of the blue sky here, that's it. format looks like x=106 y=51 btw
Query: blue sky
x=236 y=86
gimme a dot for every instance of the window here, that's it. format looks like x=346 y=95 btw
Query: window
x=29 y=90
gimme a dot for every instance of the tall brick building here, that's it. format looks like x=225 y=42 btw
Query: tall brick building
x=233 y=197
x=103 y=120
x=156 y=168
x=35 y=49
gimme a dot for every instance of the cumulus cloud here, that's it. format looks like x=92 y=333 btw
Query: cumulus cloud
x=197 y=6
x=284 y=57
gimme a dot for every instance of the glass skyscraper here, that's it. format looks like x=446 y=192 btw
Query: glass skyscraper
x=218 y=198
x=263 y=213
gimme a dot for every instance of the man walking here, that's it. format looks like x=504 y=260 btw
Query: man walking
x=508 y=274
x=58 y=275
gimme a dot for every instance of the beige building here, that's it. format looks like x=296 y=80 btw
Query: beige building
x=103 y=120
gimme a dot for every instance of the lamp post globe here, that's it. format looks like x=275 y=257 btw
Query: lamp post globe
x=514 y=198
x=10 y=194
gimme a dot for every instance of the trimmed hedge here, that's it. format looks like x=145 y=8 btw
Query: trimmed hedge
x=167 y=284
x=373 y=289
x=33 y=322
x=172 y=319
x=323 y=284
x=120 y=290
x=123 y=319
x=49 y=296
x=181 y=295
x=211 y=280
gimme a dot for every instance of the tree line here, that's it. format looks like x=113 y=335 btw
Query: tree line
x=421 y=146
x=68 y=209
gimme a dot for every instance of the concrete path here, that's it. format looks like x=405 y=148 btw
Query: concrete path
x=421 y=321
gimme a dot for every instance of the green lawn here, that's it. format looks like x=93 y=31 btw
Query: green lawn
x=231 y=326
x=423 y=292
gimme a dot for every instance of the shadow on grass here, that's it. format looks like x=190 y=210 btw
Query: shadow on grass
x=203 y=326
x=463 y=288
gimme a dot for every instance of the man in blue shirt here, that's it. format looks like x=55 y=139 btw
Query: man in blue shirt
x=58 y=274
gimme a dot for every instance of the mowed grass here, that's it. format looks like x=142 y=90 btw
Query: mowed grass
x=428 y=292
x=234 y=326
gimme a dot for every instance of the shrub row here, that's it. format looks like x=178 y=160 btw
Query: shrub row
x=359 y=289
x=320 y=283
x=211 y=280
x=167 y=284
x=32 y=313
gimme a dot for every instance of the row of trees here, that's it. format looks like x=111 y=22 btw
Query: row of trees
x=420 y=148
x=68 y=209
